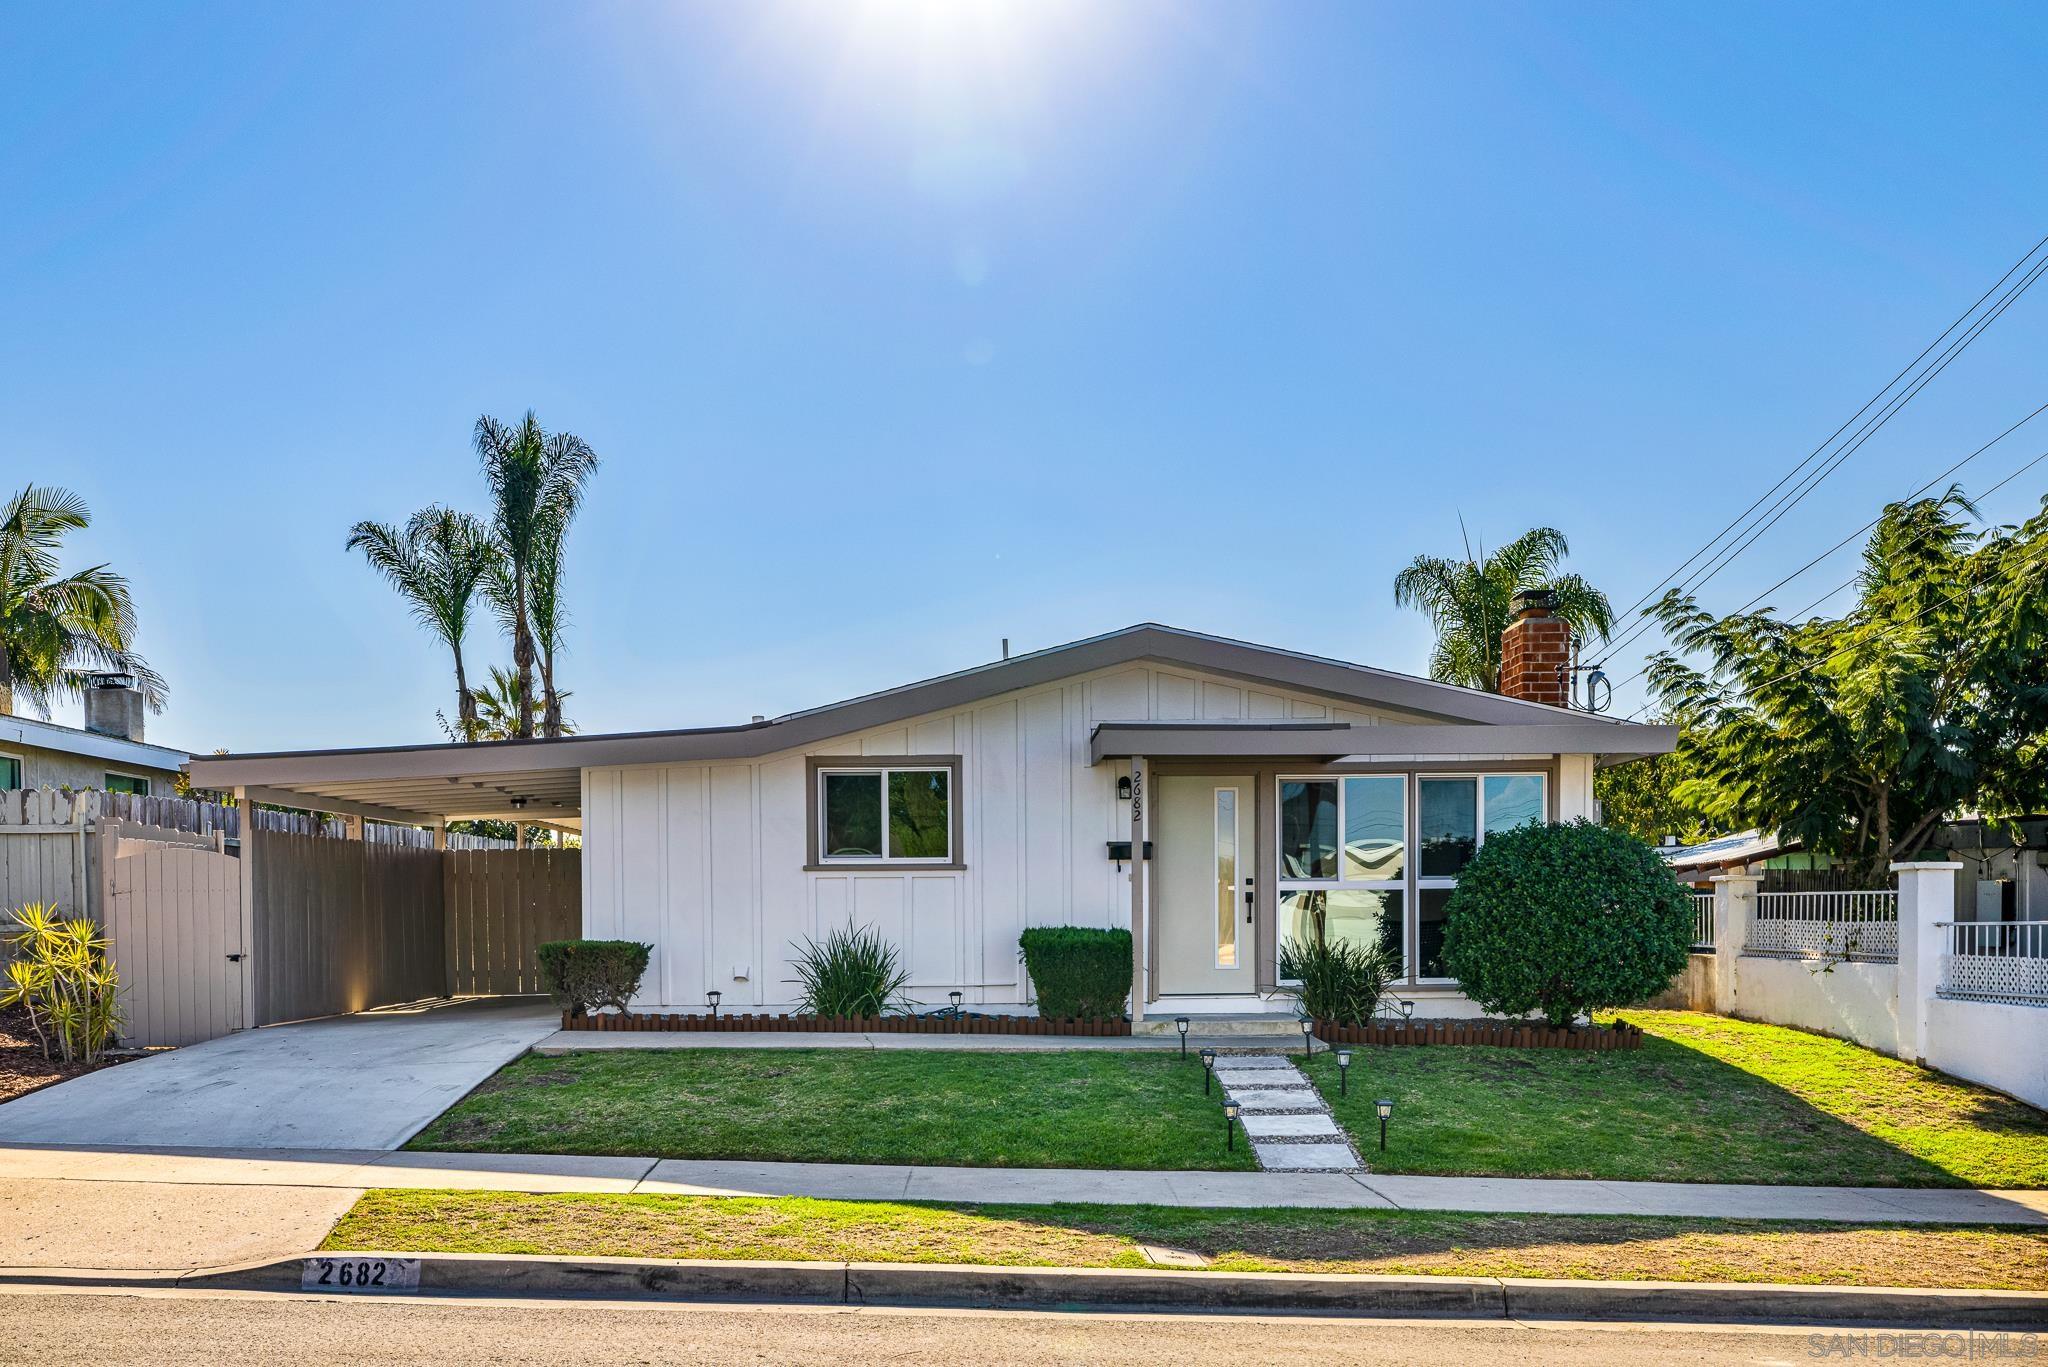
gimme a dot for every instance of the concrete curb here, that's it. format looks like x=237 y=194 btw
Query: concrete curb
x=1043 y=1288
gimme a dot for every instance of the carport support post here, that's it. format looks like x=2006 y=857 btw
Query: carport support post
x=441 y=834
x=246 y=811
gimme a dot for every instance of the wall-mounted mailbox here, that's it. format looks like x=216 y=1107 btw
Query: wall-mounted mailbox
x=1120 y=851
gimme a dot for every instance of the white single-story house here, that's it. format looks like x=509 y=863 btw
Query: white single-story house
x=1267 y=794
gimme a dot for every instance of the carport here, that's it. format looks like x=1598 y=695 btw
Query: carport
x=387 y=913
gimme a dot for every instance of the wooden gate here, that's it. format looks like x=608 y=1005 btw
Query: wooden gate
x=174 y=914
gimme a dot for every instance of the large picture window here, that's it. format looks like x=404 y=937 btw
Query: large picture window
x=1454 y=817
x=885 y=815
x=1343 y=849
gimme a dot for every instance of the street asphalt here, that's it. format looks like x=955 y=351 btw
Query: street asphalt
x=220 y=1328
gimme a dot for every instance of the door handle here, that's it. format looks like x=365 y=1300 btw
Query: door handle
x=1249 y=899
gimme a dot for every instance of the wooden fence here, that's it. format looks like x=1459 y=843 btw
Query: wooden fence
x=342 y=925
x=502 y=904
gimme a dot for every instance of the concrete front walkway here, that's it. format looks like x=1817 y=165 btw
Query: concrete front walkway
x=58 y=1168
x=368 y=1081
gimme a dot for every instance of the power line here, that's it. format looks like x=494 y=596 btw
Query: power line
x=1812 y=480
x=1811 y=455
x=1850 y=583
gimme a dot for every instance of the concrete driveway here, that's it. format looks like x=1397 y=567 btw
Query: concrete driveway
x=369 y=1081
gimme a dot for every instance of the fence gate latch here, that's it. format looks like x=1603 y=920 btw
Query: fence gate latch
x=234 y=958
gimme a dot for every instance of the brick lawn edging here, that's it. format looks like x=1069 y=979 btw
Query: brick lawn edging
x=1499 y=1034
x=870 y=1025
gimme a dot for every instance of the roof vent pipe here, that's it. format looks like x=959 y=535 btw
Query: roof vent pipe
x=1006 y=647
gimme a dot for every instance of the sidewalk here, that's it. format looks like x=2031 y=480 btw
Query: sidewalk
x=341 y=1170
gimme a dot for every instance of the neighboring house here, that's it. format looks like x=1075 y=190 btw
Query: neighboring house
x=109 y=753
x=1279 y=795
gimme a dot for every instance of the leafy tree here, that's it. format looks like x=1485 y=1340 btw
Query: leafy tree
x=536 y=481
x=56 y=629
x=1565 y=920
x=1472 y=601
x=1858 y=734
x=498 y=709
x=1640 y=797
x=436 y=561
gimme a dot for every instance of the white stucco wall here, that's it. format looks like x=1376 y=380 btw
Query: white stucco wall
x=1998 y=1045
x=1855 y=1001
x=705 y=861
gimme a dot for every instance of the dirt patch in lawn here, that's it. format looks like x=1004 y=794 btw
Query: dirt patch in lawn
x=1391 y=1242
x=23 y=1069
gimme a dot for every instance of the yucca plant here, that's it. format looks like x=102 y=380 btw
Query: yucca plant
x=853 y=972
x=61 y=976
x=1339 y=980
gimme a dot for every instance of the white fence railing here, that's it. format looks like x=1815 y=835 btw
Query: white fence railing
x=1995 y=961
x=1862 y=926
x=1703 y=920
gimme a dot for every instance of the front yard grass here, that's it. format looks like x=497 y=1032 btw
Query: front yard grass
x=1706 y=1099
x=1079 y=1109
x=1398 y=1241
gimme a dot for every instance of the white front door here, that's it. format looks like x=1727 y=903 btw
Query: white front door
x=1202 y=842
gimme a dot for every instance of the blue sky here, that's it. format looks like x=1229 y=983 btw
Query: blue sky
x=902 y=327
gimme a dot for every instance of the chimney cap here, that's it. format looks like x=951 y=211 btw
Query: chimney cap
x=1535 y=602
x=112 y=678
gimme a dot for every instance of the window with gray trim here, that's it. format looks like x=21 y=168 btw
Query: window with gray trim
x=885 y=815
x=128 y=783
x=10 y=773
x=1455 y=815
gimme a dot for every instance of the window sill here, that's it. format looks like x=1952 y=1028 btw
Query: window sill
x=883 y=866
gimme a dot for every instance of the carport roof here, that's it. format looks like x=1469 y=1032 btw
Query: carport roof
x=428 y=782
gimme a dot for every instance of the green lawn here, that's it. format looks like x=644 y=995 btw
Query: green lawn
x=1706 y=1099
x=1403 y=1242
x=1079 y=1109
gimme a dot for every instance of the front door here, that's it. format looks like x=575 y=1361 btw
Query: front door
x=1202 y=841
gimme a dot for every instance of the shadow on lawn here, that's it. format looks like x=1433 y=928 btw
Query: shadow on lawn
x=1667 y=1112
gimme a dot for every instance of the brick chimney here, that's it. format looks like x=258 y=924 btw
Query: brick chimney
x=1536 y=651
x=114 y=706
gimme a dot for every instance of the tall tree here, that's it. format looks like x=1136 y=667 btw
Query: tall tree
x=1859 y=734
x=536 y=481
x=56 y=629
x=498 y=707
x=436 y=561
x=1471 y=601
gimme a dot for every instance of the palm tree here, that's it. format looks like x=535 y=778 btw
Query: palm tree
x=436 y=562
x=55 y=631
x=1472 y=601
x=498 y=707
x=536 y=482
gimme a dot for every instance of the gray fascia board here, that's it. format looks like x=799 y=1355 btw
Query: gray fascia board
x=1113 y=740
x=1356 y=684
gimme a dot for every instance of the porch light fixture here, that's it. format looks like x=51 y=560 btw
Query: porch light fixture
x=1230 y=1110
x=1208 y=1067
x=1386 y=1111
x=712 y=996
x=1307 y=1037
x=1343 y=1072
x=1123 y=787
x=1181 y=1023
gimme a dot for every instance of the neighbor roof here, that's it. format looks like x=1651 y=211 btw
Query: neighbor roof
x=429 y=778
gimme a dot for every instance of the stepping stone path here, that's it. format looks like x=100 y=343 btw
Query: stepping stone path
x=1284 y=1117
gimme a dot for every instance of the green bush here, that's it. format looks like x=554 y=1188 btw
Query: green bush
x=62 y=978
x=1339 y=981
x=1078 y=973
x=853 y=973
x=584 y=975
x=1565 y=919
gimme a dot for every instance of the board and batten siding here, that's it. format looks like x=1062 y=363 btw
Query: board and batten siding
x=705 y=861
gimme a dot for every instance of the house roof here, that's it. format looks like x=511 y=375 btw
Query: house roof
x=1743 y=847
x=481 y=779
x=71 y=740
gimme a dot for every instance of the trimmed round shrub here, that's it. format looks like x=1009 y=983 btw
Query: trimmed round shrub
x=1565 y=920
x=1078 y=973
x=583 y=975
